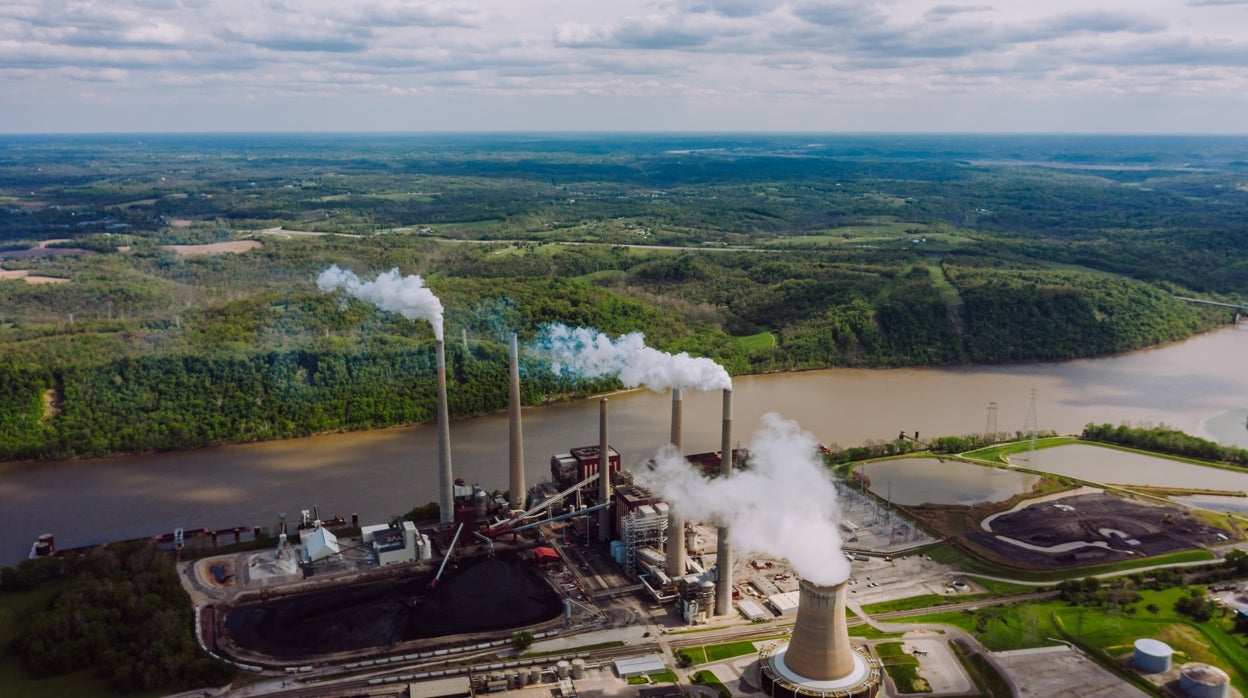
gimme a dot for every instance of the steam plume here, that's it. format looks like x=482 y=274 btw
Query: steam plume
x=784 y=505
x=405 y=295
x=591 y=354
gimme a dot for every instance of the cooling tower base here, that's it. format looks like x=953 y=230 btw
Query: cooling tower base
x=778 y=681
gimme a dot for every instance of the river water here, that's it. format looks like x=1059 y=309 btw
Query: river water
x=1199 y=385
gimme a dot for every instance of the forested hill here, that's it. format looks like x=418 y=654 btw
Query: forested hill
x=759 y=253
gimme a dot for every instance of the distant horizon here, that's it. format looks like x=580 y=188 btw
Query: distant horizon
x=722 y=66
x=655 y=132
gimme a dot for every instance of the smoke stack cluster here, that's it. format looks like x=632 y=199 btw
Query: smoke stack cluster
x=515 y=435
x=819 y=659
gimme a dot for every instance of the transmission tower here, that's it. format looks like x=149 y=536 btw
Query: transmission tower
x=1030 y=427
x=990 y=427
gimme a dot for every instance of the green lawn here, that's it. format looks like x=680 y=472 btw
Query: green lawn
x=902 y=668
x=715 y=653
x=755 y=342
x=1114 y=633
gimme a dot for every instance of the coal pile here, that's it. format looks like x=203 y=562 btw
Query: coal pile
x=485 y=595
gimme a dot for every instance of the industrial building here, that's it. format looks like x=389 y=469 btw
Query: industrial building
x=567 y=469
x=319 y=544
x=396 y=543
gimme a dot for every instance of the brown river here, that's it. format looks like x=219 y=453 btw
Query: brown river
x=1199 y=385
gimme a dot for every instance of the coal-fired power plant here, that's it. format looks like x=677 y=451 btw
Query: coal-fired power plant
x=515 y=434
x=675 y=524
x=723 y=551
x=446 y=493
x=819 y=660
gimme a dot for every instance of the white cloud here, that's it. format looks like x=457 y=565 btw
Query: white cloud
x=695 y=64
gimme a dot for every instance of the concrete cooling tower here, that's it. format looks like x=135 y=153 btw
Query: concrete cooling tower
x=818 y=659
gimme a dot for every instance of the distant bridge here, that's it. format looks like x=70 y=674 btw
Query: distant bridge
x=1243 y=308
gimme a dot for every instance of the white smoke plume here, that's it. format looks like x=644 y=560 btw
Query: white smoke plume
x=591 y=354
x=405 y=295
x=784 y=505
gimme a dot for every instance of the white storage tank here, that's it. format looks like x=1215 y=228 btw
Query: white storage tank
x=1152 y=656
x=563 y=668
x=1204 y=681
x=578 y=668
x=535 y=675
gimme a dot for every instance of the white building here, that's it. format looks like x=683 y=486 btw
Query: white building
x=393 y=544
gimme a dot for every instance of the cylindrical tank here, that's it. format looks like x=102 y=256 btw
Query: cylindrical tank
x=425 y=547
x=578 y=668
x=1204 y=681
x=563 y=668
x=1152 y=656
x=535 y=674
x=479 y=499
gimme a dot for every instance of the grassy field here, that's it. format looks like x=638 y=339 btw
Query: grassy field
x=720 y=652
x=754 y=342
x=1115 y=633
x=1108 y=631
x=706 y=678
x=902 y=668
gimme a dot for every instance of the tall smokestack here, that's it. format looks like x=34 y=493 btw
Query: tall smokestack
x=604 y=475
x=818 y=658
x=446 y=498
x=723 y=551
x=515 y=434
x=675 y=524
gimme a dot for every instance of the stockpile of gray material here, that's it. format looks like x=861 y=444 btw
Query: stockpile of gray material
x=491 y=594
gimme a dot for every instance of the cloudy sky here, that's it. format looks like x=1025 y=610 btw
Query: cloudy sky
x=1178 y=66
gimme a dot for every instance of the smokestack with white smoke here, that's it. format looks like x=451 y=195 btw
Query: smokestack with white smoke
x=784 y=505
x=408 y=296
x=405 y=295
x=590 y=354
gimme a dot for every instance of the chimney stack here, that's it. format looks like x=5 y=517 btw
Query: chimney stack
x=675 y=524
x=516 y=436
x=446 y=497
x=723 y=551
x=604 y=475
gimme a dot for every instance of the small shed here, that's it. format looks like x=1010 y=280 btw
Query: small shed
x=319 y=544
x=752 y=611
x=640 y=666
x=454 y=687
x=785 y=603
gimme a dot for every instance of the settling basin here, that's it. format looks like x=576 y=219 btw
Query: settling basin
x=498 y=593
x=914 y=481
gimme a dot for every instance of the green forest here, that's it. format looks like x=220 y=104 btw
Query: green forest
x=752 y=251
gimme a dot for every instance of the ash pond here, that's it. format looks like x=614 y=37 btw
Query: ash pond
x=485 y=595
x=914 y=481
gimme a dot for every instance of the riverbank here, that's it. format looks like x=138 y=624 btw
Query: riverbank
x=385 y=472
